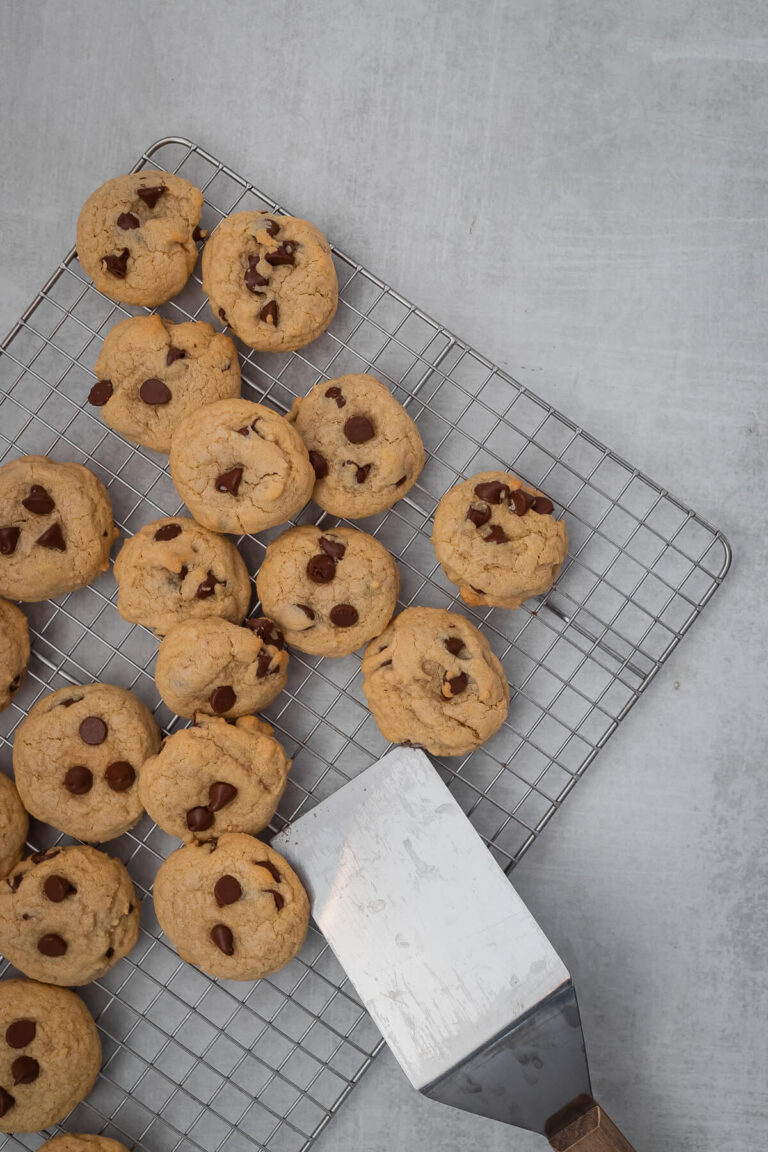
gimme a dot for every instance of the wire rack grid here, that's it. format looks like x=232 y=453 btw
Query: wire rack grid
x=212 y=1065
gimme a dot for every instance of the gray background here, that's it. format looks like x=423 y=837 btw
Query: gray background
x=578 y=188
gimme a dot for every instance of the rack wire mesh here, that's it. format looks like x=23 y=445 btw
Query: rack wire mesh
x=221 y=1066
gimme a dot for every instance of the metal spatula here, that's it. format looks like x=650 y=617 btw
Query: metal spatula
x=464 y=986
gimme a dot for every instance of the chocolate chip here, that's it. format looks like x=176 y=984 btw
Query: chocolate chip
x=399 y=483
x=267 y=630
x=358 y=429
x=14 y=684
x=282 y=255
x=319 y=463
x=454 y=644
x=343 y=615
x=223 y=316
x=25 y=1070
x=279 y=901
x=456 y=684
x=321 y=568
x=93 y=730
x=6 y=1101
x=9 y=538
x=220 y=794
x=272 y=227
x=183 y=573
x=52 y=538
x=269 y=313
x=262 y=665
x=227 y=890
x=222 y=698
x=254 y=278
x=100 y=393
x=521 y=501
x=543 y=505
x=116 y=264
x=168 y=532
x=198 y=819
x=154 y=391
x=223 y=939
x=496 y=535
x=70 y=700
x=127 y=221
x=41 y=857
x=20 y=1033
x=270 y=868
x=361 y=471
x=78 y=780
x=39 y=501
x=51 y=945
x=207 y=587
x=173 y=354
x=307 y=611
x=335 y=393
x=332 y=548
x=199 y=233
x=479 y=516
x=493 y=491
x=120 y=775
x=110 y=951
x=57 y=888
x=230 y=481
x=150 y=196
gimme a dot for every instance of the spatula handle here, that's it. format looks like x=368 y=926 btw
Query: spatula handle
x=589 y=1130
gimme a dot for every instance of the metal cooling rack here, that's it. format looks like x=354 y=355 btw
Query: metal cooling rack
x=208 y=1065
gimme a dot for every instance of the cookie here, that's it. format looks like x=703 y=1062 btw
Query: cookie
x=330 y=591
x=214 y=667
x=215 y=777
x=56 y=528
x=136 y=236
x=68 y=915
x=76 y=758
x=498 y=539
x=14 y=825
x=240 y=467
x=14 y=651
x=233 y=907
x=365 y=449
x=432 y=680
x=80 y=1142
x=50 y=1054
x=173 y=569
x=271 y=279
x=153 y=373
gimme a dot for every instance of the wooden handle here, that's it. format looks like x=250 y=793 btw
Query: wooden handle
x=584 y=1127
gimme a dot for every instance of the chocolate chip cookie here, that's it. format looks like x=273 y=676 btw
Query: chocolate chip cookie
x=50 y=1054
x=240 y=467
x=364 y=447
x=68 y=915
x=14 y=651
x=153 y=373
x=330 y=591
x=173 y=569
x=14 y=825
x=233 y=907
x=136 y=236
x=498 y=539
x=56 y=528
x=271 y=279
x=432 y=680
x=222 y=669
x=215 y=777
x=80 y=1142
x=76 y=758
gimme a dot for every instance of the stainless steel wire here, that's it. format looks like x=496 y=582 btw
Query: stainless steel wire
x=192 y=1062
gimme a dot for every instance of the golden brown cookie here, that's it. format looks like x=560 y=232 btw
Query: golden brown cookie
x=233 y=907
x=498 y=539
x=14 y=825
x=80 y=1142
x=271 y=279
x=76 y=758
x=67 y=915
x=136 y=236
x=153 y=373
x=431 y=679
x=14 y=651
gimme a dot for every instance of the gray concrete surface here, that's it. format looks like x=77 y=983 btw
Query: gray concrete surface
x=578 y=187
